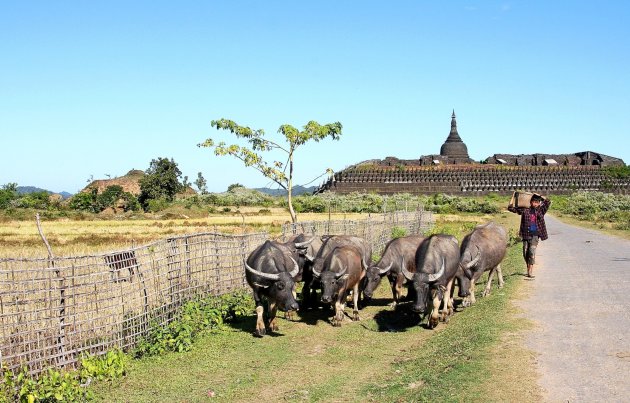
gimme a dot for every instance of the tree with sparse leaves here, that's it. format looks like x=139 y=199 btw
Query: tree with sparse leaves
x=277 y=171
x=201 y=184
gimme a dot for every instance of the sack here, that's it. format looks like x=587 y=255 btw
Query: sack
x=521 y=199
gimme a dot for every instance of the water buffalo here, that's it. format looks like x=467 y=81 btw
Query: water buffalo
x=270 y=270
x=329 y=244
x=437 y=261
x=398 y=251
x=342 y=271
x=308 y=247
x=482 y=250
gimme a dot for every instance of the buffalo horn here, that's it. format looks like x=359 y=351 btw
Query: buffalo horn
x=341 y=273
x=268 y=276
x=474 y=261
x=309 y=257
x=301 y=245
x=408 y=275
x=385 y=270
x=296 y=268
x=435 y=276
x=316 y=273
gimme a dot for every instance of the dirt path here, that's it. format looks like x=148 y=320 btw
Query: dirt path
x=580 y=302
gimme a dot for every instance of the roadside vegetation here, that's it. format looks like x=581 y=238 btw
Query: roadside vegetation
x=391 y=357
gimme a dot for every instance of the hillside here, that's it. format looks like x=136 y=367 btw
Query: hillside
x=129 y=182
x=32 y=189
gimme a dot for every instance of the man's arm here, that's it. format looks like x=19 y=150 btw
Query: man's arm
x=544 y=205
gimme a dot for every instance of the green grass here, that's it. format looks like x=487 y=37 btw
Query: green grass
x=386 y=356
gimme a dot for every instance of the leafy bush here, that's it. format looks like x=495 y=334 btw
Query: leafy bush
x=8 y=193
x=398 y=232
x=67 y=386
x=617 y=172
x=111 y=365
x=446 y=204
x=156 y=205
x=596 y=206
x=195 y=317
x=238 y=196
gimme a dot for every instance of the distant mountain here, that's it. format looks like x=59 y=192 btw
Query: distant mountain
x=297 y=190
x=32 y=189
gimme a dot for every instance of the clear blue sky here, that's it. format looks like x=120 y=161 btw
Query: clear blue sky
x=94 y=88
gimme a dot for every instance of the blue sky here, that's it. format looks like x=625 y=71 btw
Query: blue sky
x=90 y=89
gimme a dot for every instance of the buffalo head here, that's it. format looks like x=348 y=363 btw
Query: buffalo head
x=277 y=286
x=421 y=282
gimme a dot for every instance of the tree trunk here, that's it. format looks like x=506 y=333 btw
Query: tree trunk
x=290 y=189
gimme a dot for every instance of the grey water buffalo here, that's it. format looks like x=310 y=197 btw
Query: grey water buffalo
x=342 y=271
x=308 y=247
x=437 y=261
x=482 y=250
x=269 y=271
x=397 y=252
x=329 y=244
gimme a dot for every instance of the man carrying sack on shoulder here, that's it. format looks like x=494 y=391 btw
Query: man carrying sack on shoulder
x=532 y=227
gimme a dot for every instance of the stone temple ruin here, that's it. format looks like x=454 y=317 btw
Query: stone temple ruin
x=454 y=172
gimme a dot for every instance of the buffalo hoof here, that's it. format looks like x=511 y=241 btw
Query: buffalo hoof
x=355 y=316
x=433 y=322
x=260 y=332
x=485 y=293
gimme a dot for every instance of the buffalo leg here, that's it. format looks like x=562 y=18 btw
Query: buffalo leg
x=339 y=309
x=471 y=297
x=486 y=291
x=355 y=300
x=273 y=309
x=447 y=311
x=434 y=318
x=500 y=275
x=260 y=323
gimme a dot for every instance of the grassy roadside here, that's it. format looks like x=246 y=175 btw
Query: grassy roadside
x=384 y=357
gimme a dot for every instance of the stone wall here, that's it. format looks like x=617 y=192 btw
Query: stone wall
x=474 y=180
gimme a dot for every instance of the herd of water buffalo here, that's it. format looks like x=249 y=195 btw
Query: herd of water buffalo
x=340 y=265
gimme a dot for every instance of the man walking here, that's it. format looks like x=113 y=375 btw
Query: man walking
x=532 y=228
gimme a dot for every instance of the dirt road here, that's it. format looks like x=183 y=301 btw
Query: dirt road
x=580 y=302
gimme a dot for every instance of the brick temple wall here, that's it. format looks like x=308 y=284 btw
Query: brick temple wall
x=474 y=180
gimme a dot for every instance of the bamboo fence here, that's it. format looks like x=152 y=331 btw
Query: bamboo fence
x=56 y=309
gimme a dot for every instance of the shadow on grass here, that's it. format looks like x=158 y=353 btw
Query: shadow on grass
x=247 y=324
x=398 y=320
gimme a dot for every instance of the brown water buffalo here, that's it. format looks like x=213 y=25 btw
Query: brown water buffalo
x=329 y=244
x=482 y=250
x=397 y=252
x=342 y=271
x=269 y=270
x=437 y=261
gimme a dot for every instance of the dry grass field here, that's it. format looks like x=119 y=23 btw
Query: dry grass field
x=20 y=239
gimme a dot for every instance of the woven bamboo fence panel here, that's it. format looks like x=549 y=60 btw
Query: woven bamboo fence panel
x=54 y=310
x=376 y=229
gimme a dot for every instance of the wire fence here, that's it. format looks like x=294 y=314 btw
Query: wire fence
x=54 y=310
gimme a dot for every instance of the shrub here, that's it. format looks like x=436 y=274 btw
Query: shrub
x=398 y=232
x=194 y=317
x=155 y=205
x=64 y=386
